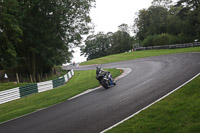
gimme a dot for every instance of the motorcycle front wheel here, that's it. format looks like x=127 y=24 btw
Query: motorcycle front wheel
x=105 y=84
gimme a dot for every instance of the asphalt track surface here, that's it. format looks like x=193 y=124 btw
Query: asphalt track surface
x=150 y=79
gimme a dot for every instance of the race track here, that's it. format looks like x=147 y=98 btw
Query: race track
x=150 y=79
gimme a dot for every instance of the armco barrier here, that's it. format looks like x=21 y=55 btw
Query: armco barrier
x=69 y=75
x=44 y=86
x=173 y=46
x=66 y=77
x=58 y=82
x=28 y=89
x=9 y=95
x=16 y=93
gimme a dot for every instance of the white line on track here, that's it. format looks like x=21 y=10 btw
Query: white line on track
x=149 y=104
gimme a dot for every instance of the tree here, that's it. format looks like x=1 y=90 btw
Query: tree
x=190 y=14
x=50 y=28
x=121 y=42
x=162 y=3
x=101 y=44
x=123 y=28
x=96 y=46
x=151 y=21
x=159 y=19
x=10 y=33
x=189 y=4
x=164 y=20
x=38 y=34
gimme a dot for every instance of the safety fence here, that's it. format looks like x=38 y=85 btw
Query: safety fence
x=19 y=92
x=173 y=46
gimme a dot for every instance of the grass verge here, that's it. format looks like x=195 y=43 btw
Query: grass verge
x=179 y=112
x=138 y=54
x=37 y=101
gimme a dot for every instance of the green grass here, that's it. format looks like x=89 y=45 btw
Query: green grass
x=177 y=113
x=74 y=86
x=6 y=86
x=138 y=54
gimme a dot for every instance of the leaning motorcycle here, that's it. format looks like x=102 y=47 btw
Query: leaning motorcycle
x=105 y=80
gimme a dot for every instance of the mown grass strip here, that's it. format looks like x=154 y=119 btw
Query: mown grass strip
x=80 y=82
x=138 y=54
x=179 y=112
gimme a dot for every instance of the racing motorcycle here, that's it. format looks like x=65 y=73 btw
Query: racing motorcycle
x=104 y=78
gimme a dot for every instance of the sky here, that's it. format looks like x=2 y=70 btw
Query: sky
x=109 y=14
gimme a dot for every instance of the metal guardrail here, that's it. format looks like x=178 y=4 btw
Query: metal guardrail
x=9 y=95
x=28 y=90
x=45 y=86
x=16 y=93
x=58 y=82
x=173 y=46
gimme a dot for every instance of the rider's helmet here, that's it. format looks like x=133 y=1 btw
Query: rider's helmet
x=98 y=69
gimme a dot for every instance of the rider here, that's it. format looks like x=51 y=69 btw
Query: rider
x=100 y=71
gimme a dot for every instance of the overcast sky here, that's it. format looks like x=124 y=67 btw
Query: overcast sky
x=109 y=14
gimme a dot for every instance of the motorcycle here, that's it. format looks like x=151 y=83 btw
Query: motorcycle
x=106 y=80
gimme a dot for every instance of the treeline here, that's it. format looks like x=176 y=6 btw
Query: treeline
x=102 y=44
x=35 y=35
x=166 y=23
x=163 y=23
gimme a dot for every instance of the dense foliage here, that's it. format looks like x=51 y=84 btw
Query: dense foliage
x=99 y=45
x=36 y=35
x=166 y=23
x=10 y=33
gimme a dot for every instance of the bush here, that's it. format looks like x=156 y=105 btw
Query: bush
x=164 y=39
x=148 y=41
x=185 y=38
x=158 y=40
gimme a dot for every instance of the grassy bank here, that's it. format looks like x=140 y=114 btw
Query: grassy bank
x=138 y=54
x=76 y=85
x=179 y=112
